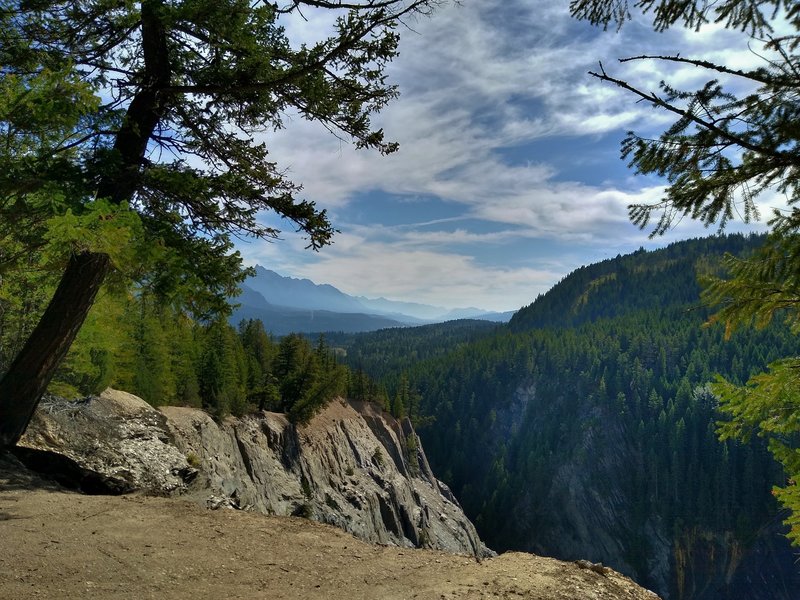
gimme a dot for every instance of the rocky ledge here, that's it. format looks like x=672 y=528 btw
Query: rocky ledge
x=353 y=465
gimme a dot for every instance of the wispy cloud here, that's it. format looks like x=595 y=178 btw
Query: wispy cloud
x=481 y=82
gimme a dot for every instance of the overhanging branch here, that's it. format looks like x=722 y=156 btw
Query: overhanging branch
x=783 y=157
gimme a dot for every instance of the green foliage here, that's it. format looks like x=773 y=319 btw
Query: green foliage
x=309 y=378
x=401 y=399
x=747 y=15
x=24 y=291
x=612 y=363
x=193 y=460
x=388 y=352
x=198 y=83
x=412 y=453
x=90 y=367
x=304 y=511
x=769 y=406
x=634 y=282
x=221 y=381
x=724 y=149
x=100 y=227
x=148 y=347
x=133 y=144
x=758 y=287
x=735 y=138
x=260 y=353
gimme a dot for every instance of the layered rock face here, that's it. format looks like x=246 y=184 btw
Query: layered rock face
x=352 y=466
x=584 y=510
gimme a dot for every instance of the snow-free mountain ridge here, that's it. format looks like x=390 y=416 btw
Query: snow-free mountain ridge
x=287 y=304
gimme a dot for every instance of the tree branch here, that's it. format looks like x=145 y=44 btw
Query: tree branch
x=783 y=157
x=705 y=64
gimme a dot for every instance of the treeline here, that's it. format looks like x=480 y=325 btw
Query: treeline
x=388 y=353
x=141 y=344
x=610 y=367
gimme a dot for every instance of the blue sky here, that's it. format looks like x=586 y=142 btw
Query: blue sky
x=508 y=175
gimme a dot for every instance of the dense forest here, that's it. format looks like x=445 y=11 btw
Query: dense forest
x=141 y=344
x=596 y=396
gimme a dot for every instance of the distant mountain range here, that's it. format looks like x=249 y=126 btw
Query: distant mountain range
x=286 y=305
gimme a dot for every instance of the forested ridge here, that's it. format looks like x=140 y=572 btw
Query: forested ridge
x=600 y=385
x=142 y=344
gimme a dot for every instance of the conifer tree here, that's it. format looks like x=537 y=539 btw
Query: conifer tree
x=724 y=150
x=133 y=143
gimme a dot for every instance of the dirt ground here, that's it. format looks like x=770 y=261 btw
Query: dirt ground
x=55 y=544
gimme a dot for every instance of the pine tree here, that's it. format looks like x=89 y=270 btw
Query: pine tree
x=133 y=134
x=724 y=150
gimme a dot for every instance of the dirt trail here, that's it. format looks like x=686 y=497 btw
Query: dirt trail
x=64 y=545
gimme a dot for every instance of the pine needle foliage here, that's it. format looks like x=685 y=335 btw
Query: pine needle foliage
x=724 y=150
x=134 y=145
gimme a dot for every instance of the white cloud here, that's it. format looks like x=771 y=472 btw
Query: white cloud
x=480 y=78
x=437 y=278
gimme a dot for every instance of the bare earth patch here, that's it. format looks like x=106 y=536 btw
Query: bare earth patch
x=65 y=545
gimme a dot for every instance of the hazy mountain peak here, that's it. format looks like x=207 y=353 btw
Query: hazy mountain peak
x=291 y=304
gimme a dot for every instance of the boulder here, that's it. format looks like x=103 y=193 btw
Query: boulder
x=353 y=466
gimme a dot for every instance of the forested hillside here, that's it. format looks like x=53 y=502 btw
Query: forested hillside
x=142 y=344
x=388 y=352
x=585 y=428
x=641 y=280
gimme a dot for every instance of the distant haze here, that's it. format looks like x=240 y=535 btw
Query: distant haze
x=286 y=304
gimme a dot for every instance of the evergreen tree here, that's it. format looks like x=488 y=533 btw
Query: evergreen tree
x=132 y=132
x=222 y=374
x=722 y=152
x=260 y=352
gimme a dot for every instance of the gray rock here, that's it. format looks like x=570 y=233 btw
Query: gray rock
x=117 y=435
x=352 y=466
x=349 y=467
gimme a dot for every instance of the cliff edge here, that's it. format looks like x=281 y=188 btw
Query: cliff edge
x=353 y=466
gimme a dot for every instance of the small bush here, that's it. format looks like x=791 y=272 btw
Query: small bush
x=193 y=460
x=304 y=511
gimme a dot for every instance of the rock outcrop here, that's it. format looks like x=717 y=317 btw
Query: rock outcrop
x=114 y=442
x=353 y=465
x=584 y=511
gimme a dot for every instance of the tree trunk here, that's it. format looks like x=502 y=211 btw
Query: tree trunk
x=33 y=368
x=29 y=375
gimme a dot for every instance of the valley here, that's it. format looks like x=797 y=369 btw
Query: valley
x=582 y=429
x=585 y=427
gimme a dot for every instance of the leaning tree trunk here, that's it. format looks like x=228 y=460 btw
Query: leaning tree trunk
x=29 y=375
x=34 y=367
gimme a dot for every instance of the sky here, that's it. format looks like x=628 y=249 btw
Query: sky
x=508 y=175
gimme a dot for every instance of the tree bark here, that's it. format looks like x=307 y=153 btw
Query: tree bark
x=33 y=368
x=27 y=378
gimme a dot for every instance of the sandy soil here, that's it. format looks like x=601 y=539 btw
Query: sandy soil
x=55 y=544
